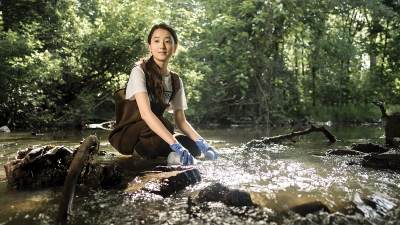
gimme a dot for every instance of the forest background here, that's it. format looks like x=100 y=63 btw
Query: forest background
x=242 y=61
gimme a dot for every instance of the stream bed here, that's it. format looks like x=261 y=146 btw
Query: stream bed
x=277 y=176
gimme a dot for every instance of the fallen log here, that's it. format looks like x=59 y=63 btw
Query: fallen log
x=38 y=167
x=48 y=166
x=277 y=139
x=89 y=147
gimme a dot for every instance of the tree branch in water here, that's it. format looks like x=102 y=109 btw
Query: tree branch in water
x=276 y=139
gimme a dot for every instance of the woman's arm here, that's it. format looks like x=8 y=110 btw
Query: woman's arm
x=184 y=125
x=180 y=120
x=143 y=102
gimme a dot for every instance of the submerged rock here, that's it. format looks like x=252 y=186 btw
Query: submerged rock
x=219 y=193
x=310 y=207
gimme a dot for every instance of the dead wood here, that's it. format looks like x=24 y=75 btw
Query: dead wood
x=277 y=139
x=90 y=145
x=108 y=125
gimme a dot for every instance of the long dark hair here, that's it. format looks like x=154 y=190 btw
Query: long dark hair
x=150 y=67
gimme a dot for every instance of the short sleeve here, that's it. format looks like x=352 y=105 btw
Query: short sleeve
x=179 y=100
x=136 y=83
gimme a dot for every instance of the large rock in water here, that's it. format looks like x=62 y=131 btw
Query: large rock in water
x=164 y=180
x=5 y=129
x=219 y=193
x=369 y=148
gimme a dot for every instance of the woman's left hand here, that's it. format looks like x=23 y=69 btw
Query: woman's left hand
x=208 y=151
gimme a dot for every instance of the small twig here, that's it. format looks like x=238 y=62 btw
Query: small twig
x=108 y=125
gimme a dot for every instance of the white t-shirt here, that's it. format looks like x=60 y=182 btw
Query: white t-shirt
x=137 y=83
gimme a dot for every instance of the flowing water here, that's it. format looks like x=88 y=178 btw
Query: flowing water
x=277 y=176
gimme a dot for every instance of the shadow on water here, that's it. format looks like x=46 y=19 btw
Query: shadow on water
x=278 y=177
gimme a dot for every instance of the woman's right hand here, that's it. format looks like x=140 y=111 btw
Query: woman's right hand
x=185 y=157
x=208 y=151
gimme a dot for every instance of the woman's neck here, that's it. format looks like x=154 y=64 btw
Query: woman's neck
x=163 y=66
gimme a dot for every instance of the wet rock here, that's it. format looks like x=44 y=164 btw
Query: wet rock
x=374 y=205
x=310 y=207
x=389 y=160
x=36 y=133
x=219 y=193
x=164 y=181
x=343 y=152
x=105 y=153
x=5 y=129
x=369 y=148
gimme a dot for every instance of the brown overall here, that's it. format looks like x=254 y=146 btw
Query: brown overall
x=132 y=133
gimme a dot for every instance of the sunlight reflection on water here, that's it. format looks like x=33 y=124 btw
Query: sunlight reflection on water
x=277 y=176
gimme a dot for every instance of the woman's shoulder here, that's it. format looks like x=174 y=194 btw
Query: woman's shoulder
x=137 y=70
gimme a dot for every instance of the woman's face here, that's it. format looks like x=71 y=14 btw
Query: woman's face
x=162 y=45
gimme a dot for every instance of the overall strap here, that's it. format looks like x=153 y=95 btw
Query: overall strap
x=176 y=84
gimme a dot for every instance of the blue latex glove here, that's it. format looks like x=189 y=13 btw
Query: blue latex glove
x=208 y=151
x=185 y=156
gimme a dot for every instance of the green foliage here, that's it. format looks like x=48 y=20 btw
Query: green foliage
x=349 y=113
x=247 y=60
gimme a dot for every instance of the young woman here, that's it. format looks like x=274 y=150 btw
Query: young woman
x=152 y=88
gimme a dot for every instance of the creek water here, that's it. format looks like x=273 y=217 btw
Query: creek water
x=277 y=176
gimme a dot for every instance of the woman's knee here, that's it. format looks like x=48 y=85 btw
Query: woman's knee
x=152 y=147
